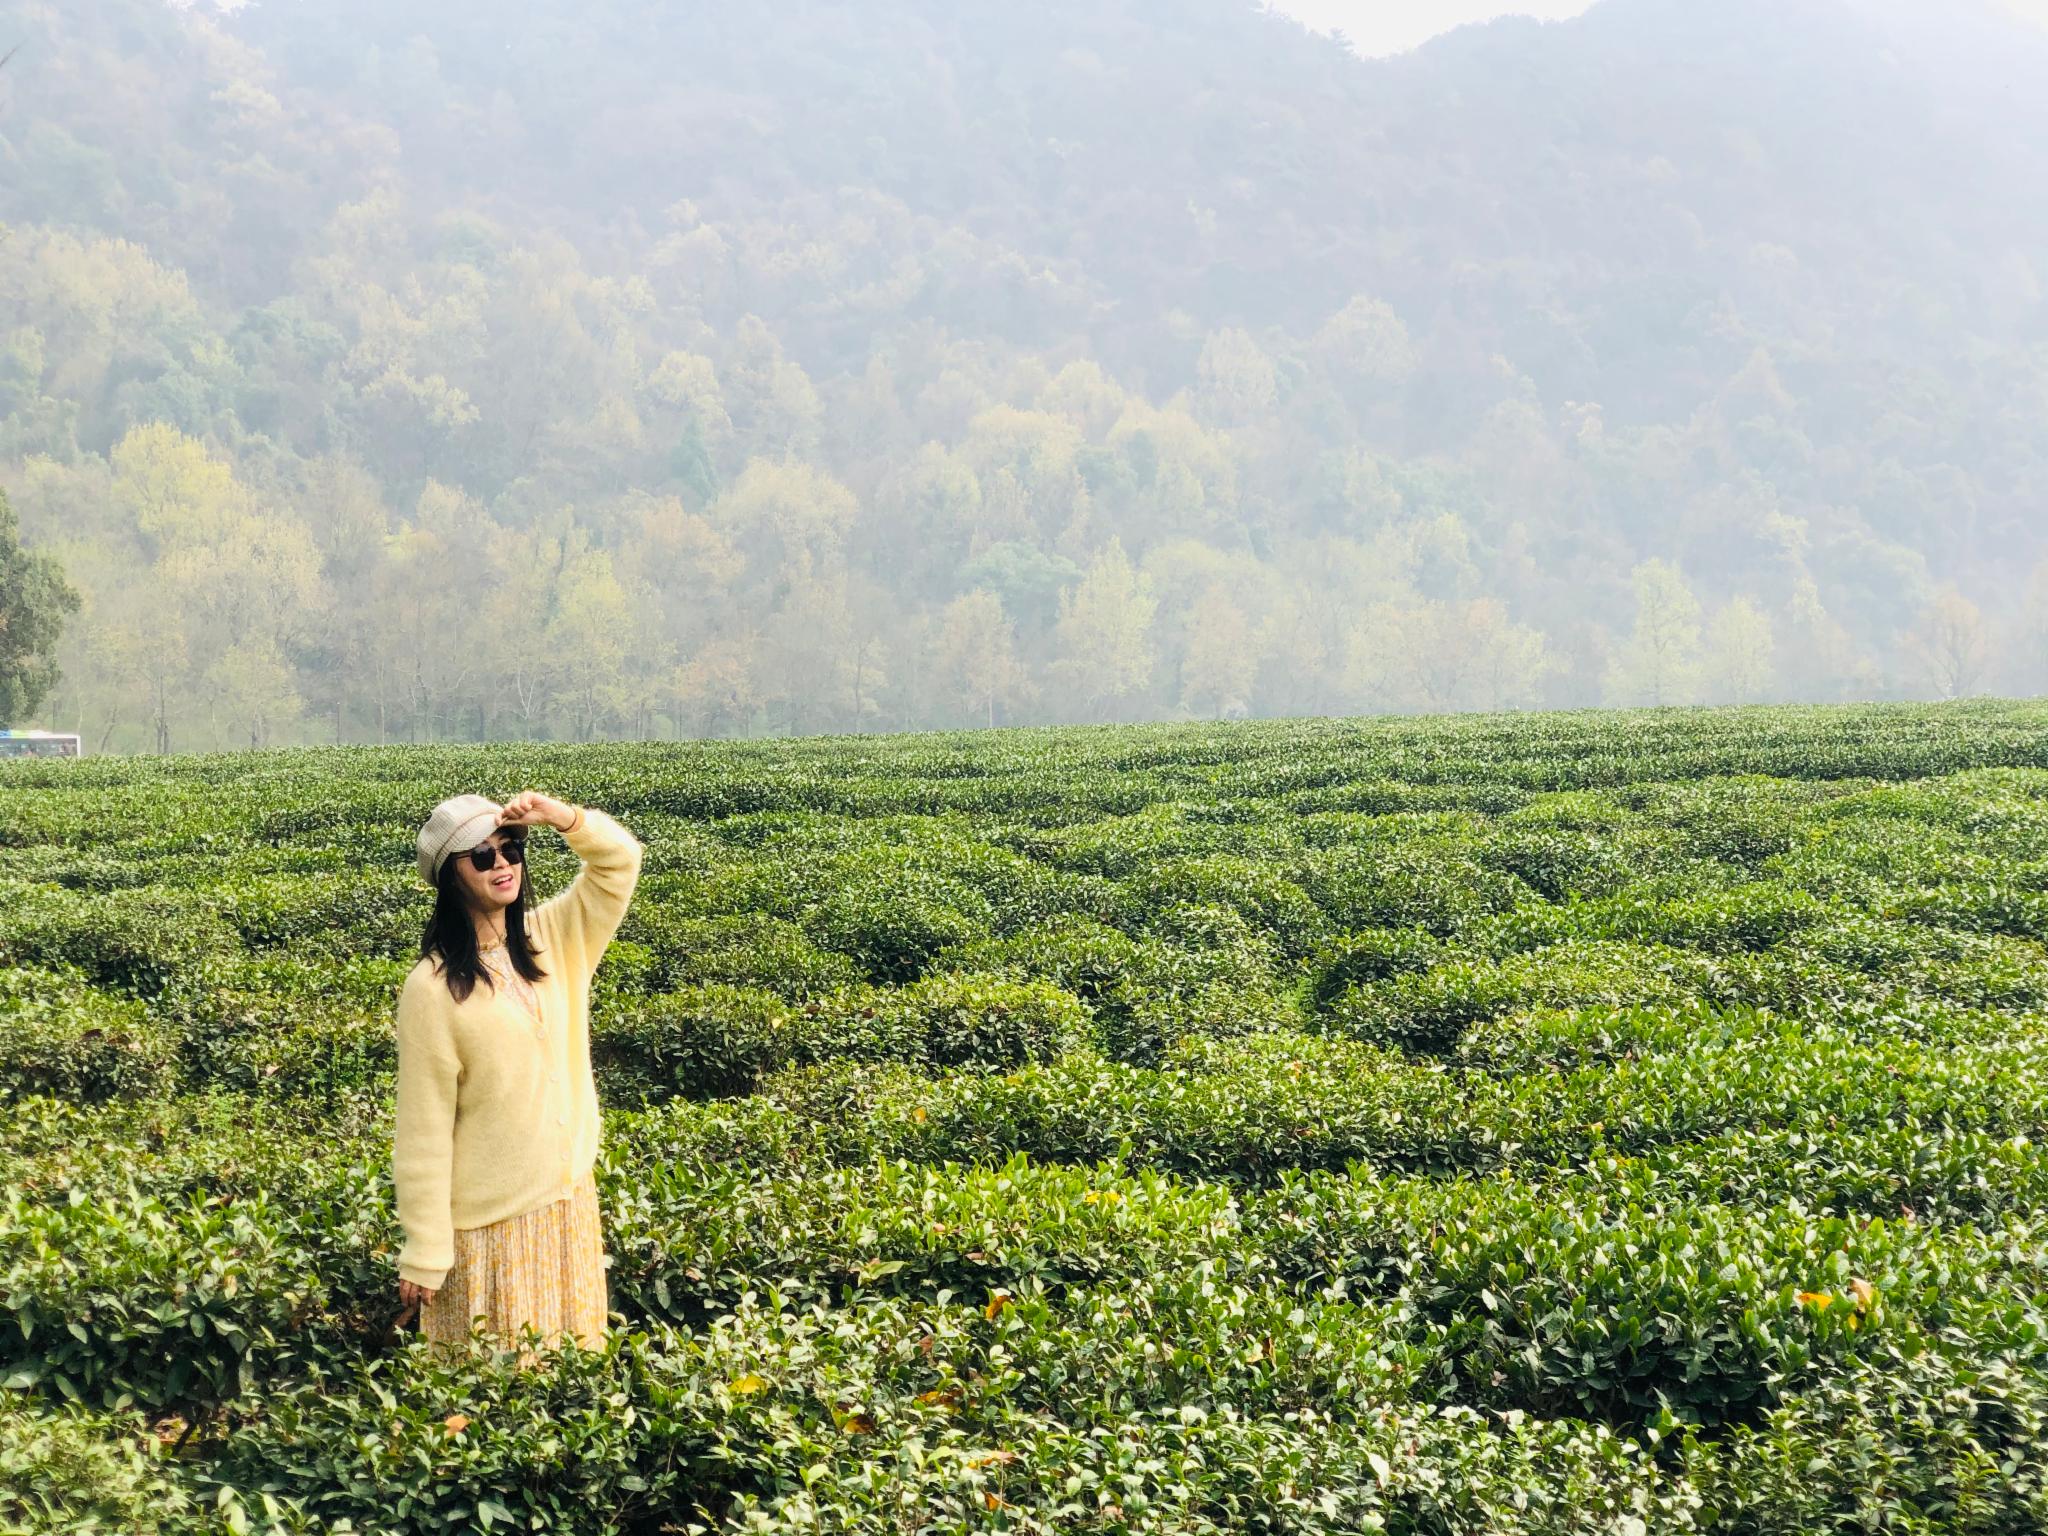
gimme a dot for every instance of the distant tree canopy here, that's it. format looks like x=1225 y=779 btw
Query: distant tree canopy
x=35 y=600
x=401 y=372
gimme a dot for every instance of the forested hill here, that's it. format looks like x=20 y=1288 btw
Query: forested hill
x=401 y=370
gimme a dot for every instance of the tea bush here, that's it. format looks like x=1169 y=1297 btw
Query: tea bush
x=135 y=941
x=1592 y=1123
x=892 y=922
x=1266 y=905
x=1356 y=959
x=744 y=950
x=61 y=1038
x=712 y=1041
x=86 y=1474
x=986 y=1022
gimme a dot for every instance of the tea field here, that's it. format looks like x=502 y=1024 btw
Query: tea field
x=1602 y=1123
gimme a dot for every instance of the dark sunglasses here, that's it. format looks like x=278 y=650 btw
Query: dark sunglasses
x=484 y=856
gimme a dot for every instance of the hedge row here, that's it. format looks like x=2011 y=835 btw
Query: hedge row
x=1594 y=1123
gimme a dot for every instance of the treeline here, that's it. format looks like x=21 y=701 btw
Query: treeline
x=334 y=449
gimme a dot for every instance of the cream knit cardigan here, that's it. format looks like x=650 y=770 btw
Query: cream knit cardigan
x=495 y=1114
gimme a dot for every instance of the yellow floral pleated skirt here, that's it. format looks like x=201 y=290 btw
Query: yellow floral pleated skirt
x=544 y=1267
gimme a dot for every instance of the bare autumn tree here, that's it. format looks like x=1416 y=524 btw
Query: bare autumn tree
x=1948 y=643
x=1660 y=662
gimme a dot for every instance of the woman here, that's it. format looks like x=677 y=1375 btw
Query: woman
x=497 y=1110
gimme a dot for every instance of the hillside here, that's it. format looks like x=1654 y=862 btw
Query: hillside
x=908 y=363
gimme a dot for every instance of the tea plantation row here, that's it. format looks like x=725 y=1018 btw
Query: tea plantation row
x=1587 y=1123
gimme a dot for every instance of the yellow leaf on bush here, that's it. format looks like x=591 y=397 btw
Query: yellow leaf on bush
x=992 y=1459
x=1815 y=1298
x=996 y=1303
x=455 y=1423
x=858 y=1424
x=747 y=1386
x=919 y=1115
x=1865 y=1294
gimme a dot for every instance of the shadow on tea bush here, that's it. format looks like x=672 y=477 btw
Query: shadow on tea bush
x=711 y=1041
x=1982 y=906
x=85 y=1473
x=136 y=941
x=286 y=1027
x=838 y=1103
x=592 y=1441
x=1427 y=1011
x=1745 y=917
x=1088 y=958
x=750 y=949
x=1114 y=847
x=1354 y=959
x=1954 y=1438
x=1020 y=891
x=627 y=973
x=1564 y=863
x=1156 y=1022
x=987 y=1023
x=1440 y=888
x=893 y=924
x=978 y=1021
x=1266 y=904
x=716 y=1041
x=90 y=871
x=61 y=1038
x=1204 y=927
x=365 y=912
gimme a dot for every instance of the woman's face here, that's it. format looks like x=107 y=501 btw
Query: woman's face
x=493 y=889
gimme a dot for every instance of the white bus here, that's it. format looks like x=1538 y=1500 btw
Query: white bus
x=37 y=744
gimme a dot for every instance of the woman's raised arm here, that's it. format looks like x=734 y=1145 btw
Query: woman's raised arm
x=595 y=903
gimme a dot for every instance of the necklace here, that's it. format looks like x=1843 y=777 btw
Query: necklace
x=497 y=960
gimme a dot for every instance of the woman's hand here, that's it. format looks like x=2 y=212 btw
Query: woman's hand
x=531 y=808
x=412 y=1296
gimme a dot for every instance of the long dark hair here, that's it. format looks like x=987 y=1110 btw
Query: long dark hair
x=450 y=937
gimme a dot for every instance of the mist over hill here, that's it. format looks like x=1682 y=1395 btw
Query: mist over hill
x=393 y=371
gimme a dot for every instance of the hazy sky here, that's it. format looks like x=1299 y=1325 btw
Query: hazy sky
x=1392 y=26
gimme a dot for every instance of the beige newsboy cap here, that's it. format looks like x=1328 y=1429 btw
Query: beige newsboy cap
x=457 y=823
